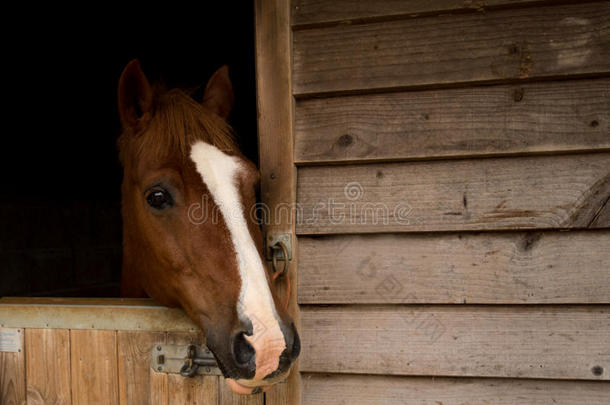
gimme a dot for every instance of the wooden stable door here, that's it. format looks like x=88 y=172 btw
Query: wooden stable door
x=81 y=352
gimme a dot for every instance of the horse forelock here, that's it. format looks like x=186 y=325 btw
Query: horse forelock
x=175 y=122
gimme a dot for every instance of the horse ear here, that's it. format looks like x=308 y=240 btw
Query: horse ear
x=218 y=95
x=135 y=96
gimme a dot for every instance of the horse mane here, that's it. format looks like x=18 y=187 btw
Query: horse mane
x=174 y=124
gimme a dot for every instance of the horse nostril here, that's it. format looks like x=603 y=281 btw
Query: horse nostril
x=243 y=352
x=296 y=344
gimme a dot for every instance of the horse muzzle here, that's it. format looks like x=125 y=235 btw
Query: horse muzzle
x=246 y=375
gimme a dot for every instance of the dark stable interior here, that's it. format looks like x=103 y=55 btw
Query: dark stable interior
x=60 y=232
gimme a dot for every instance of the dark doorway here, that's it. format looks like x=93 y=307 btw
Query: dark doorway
x=60 y=219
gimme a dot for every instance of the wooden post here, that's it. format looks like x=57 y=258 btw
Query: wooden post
x=278 y=173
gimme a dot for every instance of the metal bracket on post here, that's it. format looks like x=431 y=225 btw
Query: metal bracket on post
x=186 y=360
x=274 y=241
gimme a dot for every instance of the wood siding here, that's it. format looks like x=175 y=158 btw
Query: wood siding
x=550 y=117
x=452 y=200
x=567 y=191
x=526 y=342
x=476 y=268
x=333 y=389
x=307 y=13
x=513 y=44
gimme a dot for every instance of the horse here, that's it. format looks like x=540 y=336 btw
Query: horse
x=180 y=157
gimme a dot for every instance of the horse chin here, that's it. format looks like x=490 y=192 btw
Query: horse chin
x=239 y=387
x=248 y=387
x=244 y=386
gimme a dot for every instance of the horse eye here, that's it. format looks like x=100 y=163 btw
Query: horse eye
x=159 y=199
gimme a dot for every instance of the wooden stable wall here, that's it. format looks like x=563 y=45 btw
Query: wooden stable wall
x=98 y=351
x=464 y=146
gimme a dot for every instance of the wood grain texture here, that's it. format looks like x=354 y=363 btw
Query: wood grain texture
x=333 y=389
x=101 y=303
x=82 y=313
x=480 y=194
x=491 y=341
x=12 y=376
x=514 y=119
x=511 y=44
x=315 y=12
x=228 y=397
x=198 y=390
x=273 y=41
x=138 y=384
x=94 y=367
x=159 y=385
x=159 y=389
x=48 y=366
x=487 y=268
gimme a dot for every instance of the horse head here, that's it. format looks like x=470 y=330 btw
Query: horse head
x=189 y=237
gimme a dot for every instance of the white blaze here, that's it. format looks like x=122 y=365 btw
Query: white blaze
x=220 y=172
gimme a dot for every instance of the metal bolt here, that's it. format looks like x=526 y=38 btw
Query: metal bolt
x=159 y=368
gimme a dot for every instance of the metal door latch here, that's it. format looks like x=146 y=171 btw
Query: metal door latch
x=186 y=360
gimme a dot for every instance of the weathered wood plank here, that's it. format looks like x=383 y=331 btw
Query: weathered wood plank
x=333 y=389
x=478 y=194
x=138 y=384
x=228 y=397
x=12 y=376
x=79 y=313
x=488 y=268
x=198 y=390
x=315 y=12
x=531 y=118
x=492 y=341
x=93 y=302
x=511 y=44
x=48 y=366
x=159 y=389
x=94 y=367
x=273 y=42
x=159 y=385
